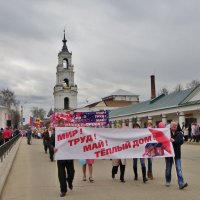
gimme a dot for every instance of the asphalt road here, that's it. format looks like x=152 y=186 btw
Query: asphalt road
x=33 y=177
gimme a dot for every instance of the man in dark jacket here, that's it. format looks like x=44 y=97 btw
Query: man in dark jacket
x=52 y=145
x=177 y=141
x=46 y=140
x=65 y=170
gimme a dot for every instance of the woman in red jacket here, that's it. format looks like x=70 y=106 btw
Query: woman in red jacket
x=6 y=134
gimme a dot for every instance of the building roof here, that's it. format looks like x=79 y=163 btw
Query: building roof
x=116 y=103
x=109 y=103
x=120 y=92
x=161 y=102
x=92 y=104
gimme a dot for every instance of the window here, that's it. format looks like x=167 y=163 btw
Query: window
x=65 y=63
x=66 y=103
x=66 y=82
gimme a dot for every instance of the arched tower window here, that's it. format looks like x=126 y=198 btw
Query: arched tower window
x=66 y=103
x=66 y=82
x=65 y=63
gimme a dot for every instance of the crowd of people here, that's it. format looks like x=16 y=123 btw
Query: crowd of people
x=66 y=171
x=191 y=132
x=7 y=133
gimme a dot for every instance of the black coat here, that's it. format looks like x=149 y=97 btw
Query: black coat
x=46 y=138
x=52 y=140
x=178 y=137
x=29 y=133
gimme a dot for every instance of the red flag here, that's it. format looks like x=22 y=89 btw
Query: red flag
x=31 y=121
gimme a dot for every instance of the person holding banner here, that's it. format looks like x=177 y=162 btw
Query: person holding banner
x=142 y=162
x=116 y=163
x=88 y=162
x=177 y=141
x=64 y=165
x=149 y=171
x=119 y=163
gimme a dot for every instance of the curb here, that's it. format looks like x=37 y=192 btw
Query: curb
x=6 y=165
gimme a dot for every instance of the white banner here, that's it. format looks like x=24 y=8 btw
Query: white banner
x=112 y=143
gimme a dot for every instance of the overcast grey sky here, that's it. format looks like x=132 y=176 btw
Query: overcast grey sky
x=115 y=44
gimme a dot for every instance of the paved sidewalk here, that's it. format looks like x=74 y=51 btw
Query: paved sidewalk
x=7 y=163
x=33 y=177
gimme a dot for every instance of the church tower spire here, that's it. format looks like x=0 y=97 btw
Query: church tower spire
x=64 y=48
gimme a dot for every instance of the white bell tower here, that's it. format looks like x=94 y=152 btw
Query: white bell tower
x=65 y=91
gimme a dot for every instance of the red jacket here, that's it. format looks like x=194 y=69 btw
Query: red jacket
x=6 y=134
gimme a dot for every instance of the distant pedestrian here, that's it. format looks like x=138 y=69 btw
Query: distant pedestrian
x=193 y=132
x=29 y=135
x=52 y=145
x=7 y=134
x=15 y=132
x=185 y=132
x=23 y=133
x=46 y=140
x=189 y=132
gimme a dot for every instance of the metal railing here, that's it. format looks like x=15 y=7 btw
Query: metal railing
x=6 y=147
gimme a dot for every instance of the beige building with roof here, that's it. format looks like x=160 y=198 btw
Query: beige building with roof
x=117 y=99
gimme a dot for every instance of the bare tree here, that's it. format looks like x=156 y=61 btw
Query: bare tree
x=15 y=117
x=38 y=112
x=163 y=91
x=8 y=98
x=192 y=84
x=178 y=88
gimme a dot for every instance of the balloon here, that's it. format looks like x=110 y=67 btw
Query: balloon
x=82 y=161
x=161 y=125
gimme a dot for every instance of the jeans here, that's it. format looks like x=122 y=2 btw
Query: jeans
x=169 y=162
x=149 y=164
x=142 y=162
